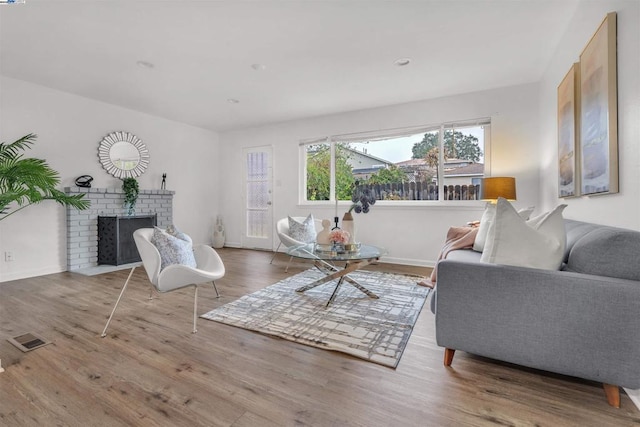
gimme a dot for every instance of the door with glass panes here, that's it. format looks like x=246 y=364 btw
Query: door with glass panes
x=258 y=214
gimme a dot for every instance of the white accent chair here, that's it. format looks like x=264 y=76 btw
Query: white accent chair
x=282 y=229
x=209 y=268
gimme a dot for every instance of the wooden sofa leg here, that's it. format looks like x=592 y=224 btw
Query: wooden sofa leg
x=448 y=356
x=613 y=394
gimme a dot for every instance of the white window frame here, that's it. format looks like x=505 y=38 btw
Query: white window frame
x=387 y=134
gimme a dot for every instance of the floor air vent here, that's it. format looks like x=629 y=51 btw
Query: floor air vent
x=28 y=341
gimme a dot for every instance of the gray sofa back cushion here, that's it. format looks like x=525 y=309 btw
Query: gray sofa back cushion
x=606 y=251
x=575 y=231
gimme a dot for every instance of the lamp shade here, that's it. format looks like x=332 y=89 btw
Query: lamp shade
x=502 y=186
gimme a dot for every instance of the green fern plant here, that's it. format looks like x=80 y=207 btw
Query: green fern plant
x=131 y=190
x=27 y=181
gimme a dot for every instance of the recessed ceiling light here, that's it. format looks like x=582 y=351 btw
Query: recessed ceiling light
x=401 y=62
x=145 y=64
x=232 y=101
x=258 y=67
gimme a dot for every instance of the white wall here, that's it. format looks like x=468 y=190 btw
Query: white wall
x=69 y=129
x=622 y=209
x=413 y=235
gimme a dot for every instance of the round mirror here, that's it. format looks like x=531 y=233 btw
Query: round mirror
x=123 y=155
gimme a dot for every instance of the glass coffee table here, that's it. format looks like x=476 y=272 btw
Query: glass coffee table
x=354 y=260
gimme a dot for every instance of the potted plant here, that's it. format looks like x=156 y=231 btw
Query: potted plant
x=27 y=181
x=131 y=190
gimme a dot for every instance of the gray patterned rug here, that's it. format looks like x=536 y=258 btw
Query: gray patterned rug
x=373 y=329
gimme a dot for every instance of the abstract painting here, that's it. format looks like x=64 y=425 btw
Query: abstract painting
x=568 y=101
x=598 y=111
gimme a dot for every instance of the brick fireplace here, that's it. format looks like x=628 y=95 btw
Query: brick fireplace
x=82 y=226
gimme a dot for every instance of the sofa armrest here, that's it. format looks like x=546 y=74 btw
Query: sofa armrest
x=571 y=323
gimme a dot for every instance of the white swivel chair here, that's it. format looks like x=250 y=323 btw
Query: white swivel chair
x=282 y=229
x=209 y=268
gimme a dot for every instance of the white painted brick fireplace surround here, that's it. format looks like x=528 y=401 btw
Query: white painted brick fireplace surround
x=82 y=226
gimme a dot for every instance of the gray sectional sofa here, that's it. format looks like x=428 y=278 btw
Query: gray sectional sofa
x=583 y=320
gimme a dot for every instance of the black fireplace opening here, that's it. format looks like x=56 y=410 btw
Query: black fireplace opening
x=115 y=237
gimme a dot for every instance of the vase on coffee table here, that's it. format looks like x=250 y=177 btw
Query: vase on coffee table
x=349 y=225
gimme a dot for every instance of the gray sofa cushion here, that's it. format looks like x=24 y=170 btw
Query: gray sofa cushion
x=575 y=231
x=607 y=251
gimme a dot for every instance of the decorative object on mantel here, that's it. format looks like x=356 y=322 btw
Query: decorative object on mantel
x=131 y=191
x=123 y=155
x=84 y=181
x=218 y=234
x=29 y=181
x=163 y=185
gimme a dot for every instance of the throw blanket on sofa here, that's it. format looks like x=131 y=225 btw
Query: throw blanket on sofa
x=457 y=238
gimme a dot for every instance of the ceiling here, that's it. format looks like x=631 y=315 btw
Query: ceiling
x=282 y=60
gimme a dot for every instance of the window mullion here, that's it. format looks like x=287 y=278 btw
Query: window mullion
x=332 y=169
x=441 y=163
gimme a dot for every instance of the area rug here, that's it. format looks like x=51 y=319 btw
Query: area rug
x=373 y=329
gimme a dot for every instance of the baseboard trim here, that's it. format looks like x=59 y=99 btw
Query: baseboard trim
x=25 y=274
x=408 y=261
x=232 y=245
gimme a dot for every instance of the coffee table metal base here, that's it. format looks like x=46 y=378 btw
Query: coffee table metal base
x=333 y=272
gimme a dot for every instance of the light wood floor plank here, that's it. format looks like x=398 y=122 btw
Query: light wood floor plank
x=151 y=371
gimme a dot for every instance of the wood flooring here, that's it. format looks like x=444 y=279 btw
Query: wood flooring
x=151 y=370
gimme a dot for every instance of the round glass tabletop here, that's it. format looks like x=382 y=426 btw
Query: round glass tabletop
x=309 y=251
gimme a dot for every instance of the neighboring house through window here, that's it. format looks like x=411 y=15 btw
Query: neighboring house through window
x=429 y=163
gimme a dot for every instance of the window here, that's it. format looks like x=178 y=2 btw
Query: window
x=443 y=162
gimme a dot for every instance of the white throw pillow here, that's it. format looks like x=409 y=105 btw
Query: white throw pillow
x=303 y=232
x=172 y=230
x=487 y=219
x=173 y=249
x=537 y=243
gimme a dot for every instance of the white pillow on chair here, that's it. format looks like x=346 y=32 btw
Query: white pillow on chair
x=303 y=232
x=172 y=230
x=173 y=249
